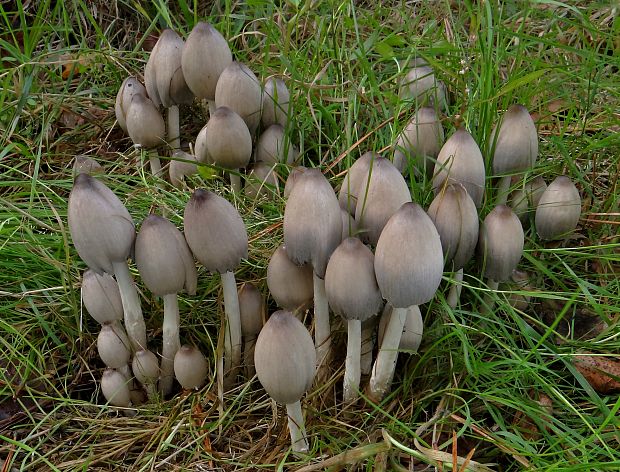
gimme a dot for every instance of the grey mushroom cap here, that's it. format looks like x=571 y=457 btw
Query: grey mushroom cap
x=200 y=147
x=102 y=229
x=276 y=102
x=274 y=147
x=190 y=367
x=87 y=165
x=285 y=358
x=456 y=219
x=131 y=86
x=145 y=124
x=420 y=142
x=558 y=210
x=261 y=181
x=101 y=297
x=420 y=85
x=413 y=329
x=229 y=143
x=182 y=165
x=291 y=285
x=145 y=367
x=460 y=161
x=166 y=67
x=516 y=142
x=115 y=388
x=292 y=178
x=525 y=200
x=113 y=346
x=164 y=260
x=409 y=258
x=205 y=55
x=350 y=187
x=349 y=225
x=350 y=283
x=239 y=89
x=312 y=222
x=251 y=309
x=215 y=231
x=501 y=243
x=381 y=194
x=150 y=77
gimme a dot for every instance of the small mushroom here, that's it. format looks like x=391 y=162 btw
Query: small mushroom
x=274 y=147
x=181 y=165
x=525 y=200
x=190 y=367
x=101 y=297
x=290 y=284
x=87 y=165
x=420 y=86
x=285 y=364
x=276 y=103
x=115 y=388
x=239 y=89
x=131 y=86
x=146 y=369
x=252 y=310
x=262 y=181
x=350 y=187
x=200 y=147
x=113 y=346
x=558 y=210
x=146 y=128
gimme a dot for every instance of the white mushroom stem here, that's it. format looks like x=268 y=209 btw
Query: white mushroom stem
x=232 y=340
x=154 y=162
x=488 y=302
x=235 y=181
x=367 y=345
x=322 y=330
x=171 y=342
x=455 y=289
x=174 y=133
x=296 y=427
x=248 y=356
x=502 y=191
x=134 y=321
x=352 y=371
x=383 y=370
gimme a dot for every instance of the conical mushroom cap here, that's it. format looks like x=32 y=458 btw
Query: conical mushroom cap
x=259 y=179
x=190 y=367
x=205 y=55
x=275 y=103
x=182 y=165
x=200 y=148
x=357 y=173
x=350 y=283
x=113 y=345
x=150 y=78
x=456 y=219
x=460 y=161
x=166 y=67
x=145 y=124
x=239 y=89
x=87 y=165
x=516 y=142
x=215 y=231
x=421 y=86
x=164 y=260
x=409 y=258
x=131 y=86
x=292 y=179
x=273 y=147
x=101 y=297
x=101 y=227
x=229 y=142
x=291 y=286
x=251 y=309
x=421 y=139
x=558 y=210
x=312 y=222
x=501 y=243
x=285 y=358
x=115 y=388
x=411 y=338
x=145 y=367
x=381 y=194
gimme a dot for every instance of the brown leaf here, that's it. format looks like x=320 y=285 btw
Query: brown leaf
x=603 y=373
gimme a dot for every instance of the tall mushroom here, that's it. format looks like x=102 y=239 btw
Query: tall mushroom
x=350 y=186
x=276 y=103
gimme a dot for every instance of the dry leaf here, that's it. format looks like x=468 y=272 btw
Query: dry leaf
x=603 y=373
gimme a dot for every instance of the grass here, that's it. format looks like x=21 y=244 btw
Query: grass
x=478 y=384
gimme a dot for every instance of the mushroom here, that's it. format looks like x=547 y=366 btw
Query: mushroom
x=181 y=165
x=217 y=236
x=167 y=267
x=87 y=165
x=114 y=347
x=292 y=179
x=290 y=284
x=349 y=225
x=357 y=173
x=558 y=210
x=252 y=310
x=285 y=364
x=420 y=86
x=200 y=147
x=103 y=234
x=239 y=89
x=460 y=161
x=408 y=267
x=146 y=369
x=312 y=231
x=190 y=367
x=524 y=200
x=411 y=338
x=274 y=147
x=131 y=86
x=205 y=56
x=115 y=388
x=276 y=103
x=515 y=144
x=353 y=293
x=229 y=143
x=101 y=297
x=146 y=128
x=262 y=181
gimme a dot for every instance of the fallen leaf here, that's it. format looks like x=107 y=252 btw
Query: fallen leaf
x=603 y=373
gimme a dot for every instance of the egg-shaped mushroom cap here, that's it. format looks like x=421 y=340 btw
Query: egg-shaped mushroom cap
x=102 y=229
x=166 y=67
x=145 y=124
x=113 y=345
x=239 y=89
x=182 y=165
x=350 y=283
x=421 y=85
x=456 y=219
x=535 y=189
x=205 y=55
x=349 y=225
x=290 y=285
x=200 y=148
x=229 y=142
x=350 y=186
x=115 y=388
x=190 y=367
x=285 y=358
x=413 y=329
x=312 y=222
x=291 y=180
x=501 y=243
x=381 y=194
x=101 y=297
x=215 y=231
x=261 y=181
x=251 y=309
x=558 y=210
x=87 y=165
x=421 y=139
x=150 y=77
x=131 y=86
x=516 y=142
x=145 y=367
x=274 y=147
x=409 y=258
x=276 y=102
x=164 y=260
